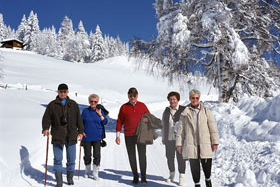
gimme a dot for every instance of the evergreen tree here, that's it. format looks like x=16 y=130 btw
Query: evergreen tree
x=83 y=44
x=65 y=34
x=22 y=28
x=31 y=31
x=98 y=48
x=3 y=29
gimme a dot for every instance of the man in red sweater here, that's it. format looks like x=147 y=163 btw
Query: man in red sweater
x=129 y=116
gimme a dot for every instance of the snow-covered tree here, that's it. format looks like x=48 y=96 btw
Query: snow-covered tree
x=11 y=33
x=224 y=39
x=82 y=46
x=46 y=42
x=3 y=29
x=98 y=47
x=31 y=31
x=22 y=28
x=65 y=34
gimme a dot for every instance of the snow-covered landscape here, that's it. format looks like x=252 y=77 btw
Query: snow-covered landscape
x=248 y=155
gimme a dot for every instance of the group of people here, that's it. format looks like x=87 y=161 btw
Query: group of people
x=188 y=131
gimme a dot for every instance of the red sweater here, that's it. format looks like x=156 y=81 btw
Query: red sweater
x=129 y=116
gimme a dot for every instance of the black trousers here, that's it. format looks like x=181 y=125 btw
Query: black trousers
x=131 y=143
x=195 y=168
x=96 y=152
x=170 y=150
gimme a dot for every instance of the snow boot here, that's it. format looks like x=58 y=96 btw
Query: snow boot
x=208 y=183
x=181 y=179
x=95 y=171
x=171 y=177
x=197 y=185
x=88 y=171
x=70 y=175
x=143 y=179
x=58 y=177
x=135 y=179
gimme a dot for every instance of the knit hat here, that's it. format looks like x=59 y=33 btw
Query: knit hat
x=62 y=87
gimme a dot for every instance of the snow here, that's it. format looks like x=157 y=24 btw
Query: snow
x=249 y=153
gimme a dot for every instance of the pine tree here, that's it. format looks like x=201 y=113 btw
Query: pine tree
x=65 y=34
x=83 y=44
x=31 y=31
x=98 y=48
x=22 y=28
x=3 y=29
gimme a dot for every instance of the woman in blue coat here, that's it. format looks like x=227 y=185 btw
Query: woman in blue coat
x=93 y=120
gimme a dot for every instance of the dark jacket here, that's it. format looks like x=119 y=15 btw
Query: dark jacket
x=146 y=131
x=52 y=118
x=165 y=120
x=93 y=125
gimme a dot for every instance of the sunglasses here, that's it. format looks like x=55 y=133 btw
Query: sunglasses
x=132 y=95
x=195 y=98
x=93 y=101
x=62 y=91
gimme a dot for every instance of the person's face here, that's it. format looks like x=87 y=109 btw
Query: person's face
x=93 y=102
x=194 y=100
x=132 y=97
x=62 y=94
x=173 y=101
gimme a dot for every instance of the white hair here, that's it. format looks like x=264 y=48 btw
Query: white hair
x=194 y=91
x=93 y=96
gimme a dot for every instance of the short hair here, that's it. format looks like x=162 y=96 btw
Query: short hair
x=194 y=91
x=176 y=94
x=132 y=90
x=93 y=96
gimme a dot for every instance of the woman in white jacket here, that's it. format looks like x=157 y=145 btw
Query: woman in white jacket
x=197 y=138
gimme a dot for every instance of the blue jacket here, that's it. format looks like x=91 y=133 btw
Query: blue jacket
x=93 y=125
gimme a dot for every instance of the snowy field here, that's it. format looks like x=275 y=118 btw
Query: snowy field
x=249 y=153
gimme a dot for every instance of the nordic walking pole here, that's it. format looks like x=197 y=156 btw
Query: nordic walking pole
x=80 y=160
x=46 y=166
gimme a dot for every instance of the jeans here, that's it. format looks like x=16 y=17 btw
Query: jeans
x=131 y=143
x=170 y=148
x=58 y=156
x=96 y=152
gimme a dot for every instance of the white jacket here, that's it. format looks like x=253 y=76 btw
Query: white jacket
x=207 y=132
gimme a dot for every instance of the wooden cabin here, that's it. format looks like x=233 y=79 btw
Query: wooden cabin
x=12 y=43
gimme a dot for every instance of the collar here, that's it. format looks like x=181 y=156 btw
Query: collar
x=133 y=104
x=195 y=108
x=176 y=108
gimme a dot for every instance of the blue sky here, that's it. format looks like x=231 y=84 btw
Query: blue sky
x=126 y=18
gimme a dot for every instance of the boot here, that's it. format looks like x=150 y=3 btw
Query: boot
x=88 y=171
x=197 y=185
x=58 y=177
x=95 y=171
x=143 y=179
x=70 y=175
x=135 y=179
x=208 y=183
x=181 y=179
x=171 y=177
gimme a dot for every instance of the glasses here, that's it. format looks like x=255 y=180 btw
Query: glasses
x=62 y=91
x=132 y=95
x=93 y=101
x=195 y=98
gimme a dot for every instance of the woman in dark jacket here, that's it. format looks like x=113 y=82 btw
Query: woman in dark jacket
x=93 y=120
x=170 y=118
